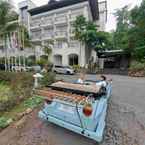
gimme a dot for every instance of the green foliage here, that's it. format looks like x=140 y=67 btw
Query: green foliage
x=42 y=62
x=9 y=23
x=5 y=92
x=48 y=78
x=137 y=66
x=87 y=33
x=4 y=122
x=79 y=27
x=22 y=85
x=130 y=31
x=6 y=16
x=120 y=36
x=24 y=37
x=31 y=60
x=48 y=47
x=77 y=68
x=33 y=102
x=6 y=77
x=14 y=88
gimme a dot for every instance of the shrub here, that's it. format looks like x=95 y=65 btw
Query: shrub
x=77 y=68
x=4 y=122
x=22 y=85
x=42 y=62
x=137 y=66
x=48 y=78
x=6 y=77
x=15 y=87
x=33 y=102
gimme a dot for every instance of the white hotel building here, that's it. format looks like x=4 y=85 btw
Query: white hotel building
x=54 y=21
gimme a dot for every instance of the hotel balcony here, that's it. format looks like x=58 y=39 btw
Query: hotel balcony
x=60 y=20
x=46 y=22
x=35 y=24
x=47 y=36
x=60 y=34
x=36 y=37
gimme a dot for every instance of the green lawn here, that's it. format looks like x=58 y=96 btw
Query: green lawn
x=5 y=92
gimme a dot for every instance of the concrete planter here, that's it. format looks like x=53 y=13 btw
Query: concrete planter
x=136 y=73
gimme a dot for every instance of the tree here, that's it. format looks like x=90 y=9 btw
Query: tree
x=130 y=31
x=47 y=48
x=121 y=34
x=6 y=16
x=87 y=33
x=137 y=31
x=9 y=23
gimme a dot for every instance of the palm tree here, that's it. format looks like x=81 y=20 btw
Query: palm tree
x=8 y=23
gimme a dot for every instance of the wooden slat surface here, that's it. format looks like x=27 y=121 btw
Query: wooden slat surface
x=79 y=87
x=53 y=94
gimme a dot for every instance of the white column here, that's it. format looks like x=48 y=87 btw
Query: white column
x=101 y=63
x=86 y=13
x=65 y=59
x=69 y=26
x=82 y=57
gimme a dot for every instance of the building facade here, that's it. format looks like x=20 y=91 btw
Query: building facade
x=54 y=22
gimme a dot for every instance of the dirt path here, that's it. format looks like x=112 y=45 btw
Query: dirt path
x=123 y=128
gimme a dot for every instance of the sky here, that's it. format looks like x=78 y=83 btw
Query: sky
x=112 y=5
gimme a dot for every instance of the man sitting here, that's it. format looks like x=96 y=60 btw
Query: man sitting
x=81 y=79
x=102 y=82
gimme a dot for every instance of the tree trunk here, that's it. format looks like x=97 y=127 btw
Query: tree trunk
x=5 y=45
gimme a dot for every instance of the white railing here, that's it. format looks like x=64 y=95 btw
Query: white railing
x=61 y=34
x=61 y=19
x=74 y=44
x=47 y=35
x=36 y=36
x=46 y=21
x=35 y=23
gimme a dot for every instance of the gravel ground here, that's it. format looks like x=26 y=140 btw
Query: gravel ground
x=125 y=121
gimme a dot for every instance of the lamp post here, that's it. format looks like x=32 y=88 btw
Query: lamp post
x=37 y=76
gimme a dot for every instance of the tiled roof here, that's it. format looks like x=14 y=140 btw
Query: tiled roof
x=63 y=3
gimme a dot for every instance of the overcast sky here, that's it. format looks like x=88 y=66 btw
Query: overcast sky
x=112 y=6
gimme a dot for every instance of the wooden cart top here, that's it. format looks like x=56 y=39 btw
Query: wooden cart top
x=77 y=87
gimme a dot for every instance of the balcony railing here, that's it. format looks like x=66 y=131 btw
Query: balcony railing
x=46 y=22
x=35 y=23
x=60 y=19
x=73 y=44
x=36 y=37
x=47 y=35
x=61 y=34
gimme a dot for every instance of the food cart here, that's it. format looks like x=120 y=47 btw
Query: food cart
x=81 y=108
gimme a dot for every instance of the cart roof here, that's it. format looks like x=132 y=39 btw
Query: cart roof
x=77 y=87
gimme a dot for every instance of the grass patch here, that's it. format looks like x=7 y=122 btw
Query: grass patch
x=33 y=102
x=7 y=117
x=5 y=92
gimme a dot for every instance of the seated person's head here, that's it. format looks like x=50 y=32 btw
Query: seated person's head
x=103 y=78
x=82 y=76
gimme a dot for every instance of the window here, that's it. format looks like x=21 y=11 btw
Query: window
x=74 y=44
x=73 y=59
x=59 y=44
